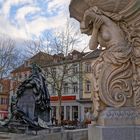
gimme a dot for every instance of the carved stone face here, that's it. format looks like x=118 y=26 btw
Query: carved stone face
x=86 y=27
x=88 y=21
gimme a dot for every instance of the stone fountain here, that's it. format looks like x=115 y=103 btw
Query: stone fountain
x=115 y=26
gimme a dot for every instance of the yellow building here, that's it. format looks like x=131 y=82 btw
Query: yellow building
x=87 y=82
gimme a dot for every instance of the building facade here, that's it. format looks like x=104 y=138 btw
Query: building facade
x=87 y=82
x=71 y=75
x=4 y=98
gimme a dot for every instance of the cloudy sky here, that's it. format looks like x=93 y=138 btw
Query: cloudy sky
x=31 y=19
x=28 y=19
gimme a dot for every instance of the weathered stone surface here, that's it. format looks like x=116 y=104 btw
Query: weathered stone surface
x=114 y=133
x=122 y=116
x=115 y=26
x=77 y=8
x=81 y=134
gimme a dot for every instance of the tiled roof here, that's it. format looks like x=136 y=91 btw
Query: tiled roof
x=21 y=69
x=93 y=54
x=40 y=58
x=44 y=59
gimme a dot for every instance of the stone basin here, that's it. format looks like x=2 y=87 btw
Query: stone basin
x=78 y=7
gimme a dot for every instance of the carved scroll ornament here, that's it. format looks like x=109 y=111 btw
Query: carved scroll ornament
x=114 y=25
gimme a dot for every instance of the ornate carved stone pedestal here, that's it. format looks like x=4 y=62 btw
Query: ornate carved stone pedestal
x=123 y=116
x=115 y=26
x=116 y=124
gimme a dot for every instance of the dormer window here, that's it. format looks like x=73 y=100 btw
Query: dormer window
x=75 y=56
x=27 y=63
x=20 y=76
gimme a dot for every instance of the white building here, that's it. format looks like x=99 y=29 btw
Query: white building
x=76 y=86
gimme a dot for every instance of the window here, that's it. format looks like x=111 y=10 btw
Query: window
x=66 y=88
x=75 y=87
x=75 y=56
x=0 y=101
x=66 y=71
x=88 y=86
x=53 y=111
x=27 y=63
x=54 y=71
x=75 y=68
x=87 y=67
x=20 y=76
x=3 y=101
x=25 y=75
x=62 y=112
x=1 y=88
x=67 y=112
x=53 y=90
x=74 y=112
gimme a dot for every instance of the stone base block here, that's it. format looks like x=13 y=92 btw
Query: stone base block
x=119 y=116
x=113 y=132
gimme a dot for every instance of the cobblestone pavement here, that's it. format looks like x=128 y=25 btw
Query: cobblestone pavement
x=11 y=136
x=79 y=134
x=14 y=136
x=4 y=136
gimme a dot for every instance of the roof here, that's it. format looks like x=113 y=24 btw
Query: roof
x=21 y=69
x=40 y=55
x=45 y=59
x=75 y=52
x=40 y=58
x=93 y=54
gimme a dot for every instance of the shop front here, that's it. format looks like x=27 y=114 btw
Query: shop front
x=70 y=108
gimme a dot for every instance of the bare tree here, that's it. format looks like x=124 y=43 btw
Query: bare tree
x=59 y=46
x=33 y=47
x=10 y=57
